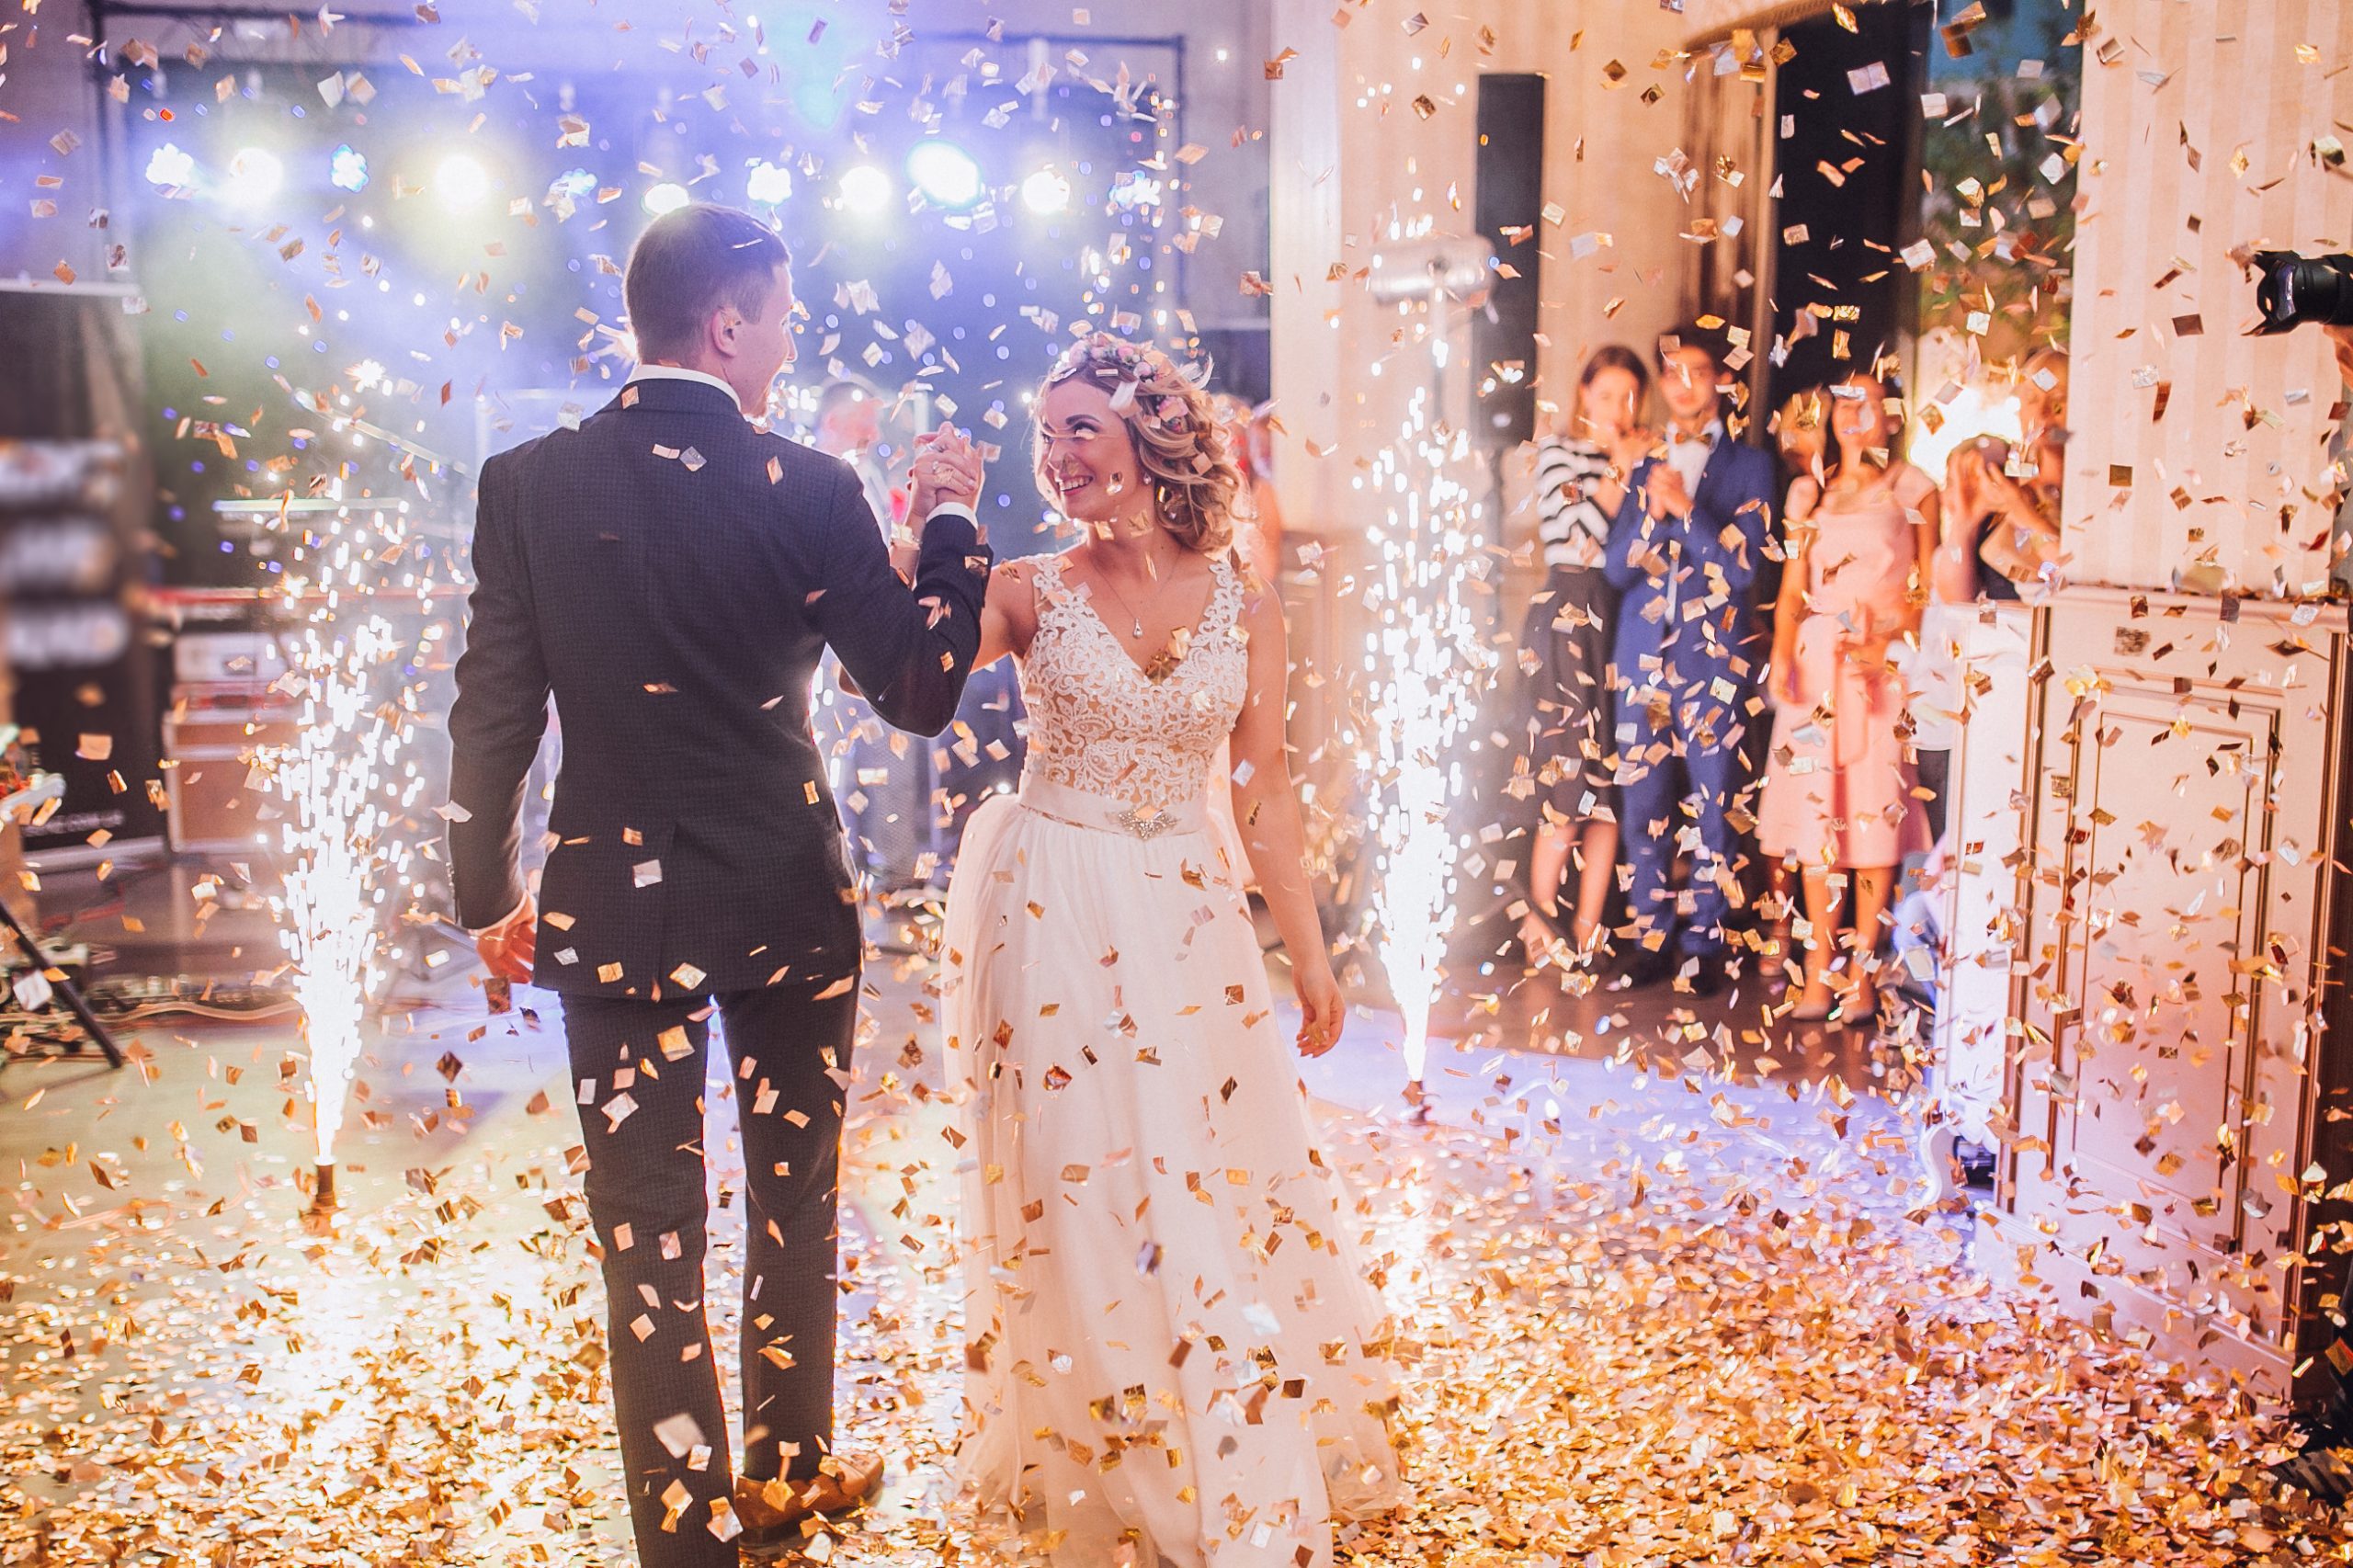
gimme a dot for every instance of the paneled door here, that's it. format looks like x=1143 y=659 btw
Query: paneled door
x=2163 y=1084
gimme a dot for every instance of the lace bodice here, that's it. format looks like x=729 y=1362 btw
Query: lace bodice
x=1098 y=723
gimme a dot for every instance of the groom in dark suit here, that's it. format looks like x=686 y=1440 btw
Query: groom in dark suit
x=671 y=575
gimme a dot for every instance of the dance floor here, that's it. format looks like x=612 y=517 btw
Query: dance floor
x=1660 y=1307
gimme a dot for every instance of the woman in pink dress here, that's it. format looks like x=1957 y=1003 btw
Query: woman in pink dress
x=1838 y=784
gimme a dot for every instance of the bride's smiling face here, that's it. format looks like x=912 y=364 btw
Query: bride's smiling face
x=1086 y=460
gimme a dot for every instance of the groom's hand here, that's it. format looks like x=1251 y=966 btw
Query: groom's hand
x=509 y=948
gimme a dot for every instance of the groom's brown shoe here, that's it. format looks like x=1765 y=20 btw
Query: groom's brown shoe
x=773 y=1511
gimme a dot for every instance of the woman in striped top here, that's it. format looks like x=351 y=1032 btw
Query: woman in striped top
x=1581 y=472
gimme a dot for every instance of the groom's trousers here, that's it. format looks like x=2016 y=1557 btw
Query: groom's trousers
x=637 y=1071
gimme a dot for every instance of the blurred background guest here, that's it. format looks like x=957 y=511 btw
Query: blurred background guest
x=2012 y=493
x=883 y=776
x=1801 y=432
x=1582 y=466
x=848 y=424
x=1960 y=577
x=1966 y=569
x=1258 y=512
x=1838 y=795
x=1684 y=553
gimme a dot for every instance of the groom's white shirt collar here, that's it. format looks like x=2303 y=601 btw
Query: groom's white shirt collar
x=680 y=373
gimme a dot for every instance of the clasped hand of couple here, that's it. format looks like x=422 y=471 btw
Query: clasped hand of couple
x=947 y=469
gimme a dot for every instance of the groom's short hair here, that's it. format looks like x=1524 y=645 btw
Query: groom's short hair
x=690 y=261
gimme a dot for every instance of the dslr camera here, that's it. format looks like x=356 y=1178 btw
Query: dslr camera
x=2293 y=291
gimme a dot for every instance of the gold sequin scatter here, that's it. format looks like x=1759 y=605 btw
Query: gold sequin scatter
x=1778 y=1366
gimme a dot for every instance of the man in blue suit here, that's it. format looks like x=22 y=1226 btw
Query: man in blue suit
x=1683 y=554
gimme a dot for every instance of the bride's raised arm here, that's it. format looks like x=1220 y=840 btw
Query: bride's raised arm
x=1009 y=614
x=1266 y=809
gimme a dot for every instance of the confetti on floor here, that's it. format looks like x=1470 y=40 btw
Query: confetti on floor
x=1671 y=1354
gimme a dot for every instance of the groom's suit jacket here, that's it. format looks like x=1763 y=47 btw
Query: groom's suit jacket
x=672 y=576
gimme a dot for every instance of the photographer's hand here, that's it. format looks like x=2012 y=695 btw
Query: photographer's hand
x=2340 y=338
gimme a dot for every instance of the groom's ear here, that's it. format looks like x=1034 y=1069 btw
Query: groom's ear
x=723 y=327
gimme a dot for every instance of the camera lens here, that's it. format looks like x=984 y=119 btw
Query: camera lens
x=2292 y=290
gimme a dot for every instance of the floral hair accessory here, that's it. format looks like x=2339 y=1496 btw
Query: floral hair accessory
x=1101 y=350
x=1182 y=453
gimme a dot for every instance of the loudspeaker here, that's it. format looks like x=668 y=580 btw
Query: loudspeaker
x=1509 y=202
x=1848 y=112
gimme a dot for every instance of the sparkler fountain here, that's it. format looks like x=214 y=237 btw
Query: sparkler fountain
x=1425 y=655
x=1424 y=652
x=336 y=836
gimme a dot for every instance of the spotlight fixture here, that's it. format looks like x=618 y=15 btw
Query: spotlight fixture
x=865 y=189
x=460 y=183
x=347 y=169
x=254 y=177
x=1045 y=191
x=667 y=197
x=769 y=184
x=167 y=167
x=945 y=173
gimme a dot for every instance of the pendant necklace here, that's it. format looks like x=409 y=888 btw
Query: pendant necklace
x=1134 y=619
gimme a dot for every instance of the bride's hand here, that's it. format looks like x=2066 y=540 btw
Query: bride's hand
x=1322 y=1012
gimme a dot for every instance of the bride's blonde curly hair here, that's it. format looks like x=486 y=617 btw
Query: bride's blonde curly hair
x=1183 y=450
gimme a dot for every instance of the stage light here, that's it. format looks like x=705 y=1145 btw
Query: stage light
x=667 y=197
x=254 y=177
x=460 y=183
x=1045 y=191
x=945 y=173
x=167 y=165
x=767 y=185
x=865 y=188
x=348 y=168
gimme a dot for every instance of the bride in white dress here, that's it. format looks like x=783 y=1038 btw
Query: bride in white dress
x=1173 y=1354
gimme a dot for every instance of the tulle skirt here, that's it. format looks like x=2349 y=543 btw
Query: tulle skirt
x=1172 y=1349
